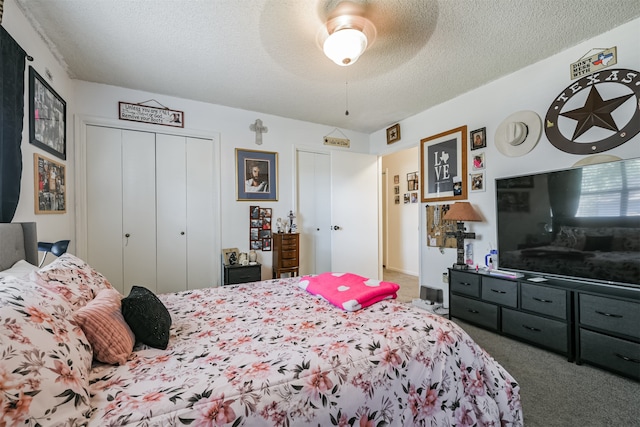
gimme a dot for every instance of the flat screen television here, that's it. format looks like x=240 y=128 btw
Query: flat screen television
x=579 y=223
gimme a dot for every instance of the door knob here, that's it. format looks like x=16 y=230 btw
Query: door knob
x=182 y=233
x=336 y=227
x=127 y=235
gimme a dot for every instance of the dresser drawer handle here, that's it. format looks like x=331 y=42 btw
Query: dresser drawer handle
x=626 y=358
x=498 y=292
x=617 y=316
x=470 y=310
x=465 y=284
x=532 y=329
x=542 y=300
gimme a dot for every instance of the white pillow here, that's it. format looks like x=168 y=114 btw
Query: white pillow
x=20 y=269
x=45 y=361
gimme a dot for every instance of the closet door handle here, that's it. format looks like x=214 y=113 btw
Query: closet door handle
x=182 y=233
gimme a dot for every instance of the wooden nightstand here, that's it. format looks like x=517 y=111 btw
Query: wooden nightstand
x=285 y=254
x=234 y=274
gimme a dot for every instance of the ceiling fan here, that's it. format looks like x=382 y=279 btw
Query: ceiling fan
x=347 y=33
x=349 y=27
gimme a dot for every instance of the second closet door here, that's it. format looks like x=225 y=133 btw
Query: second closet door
x=171 y=213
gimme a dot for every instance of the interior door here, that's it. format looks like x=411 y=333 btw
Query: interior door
x=355 y=214
x=171 y=182
x=314 y=211
x=104 y=203
x=139 y=209
x=202 y=259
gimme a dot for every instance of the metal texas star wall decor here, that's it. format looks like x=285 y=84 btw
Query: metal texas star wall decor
x=563 y=118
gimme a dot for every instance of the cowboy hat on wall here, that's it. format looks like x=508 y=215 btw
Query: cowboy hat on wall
x=519 y=133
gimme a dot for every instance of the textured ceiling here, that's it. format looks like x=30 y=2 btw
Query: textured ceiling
x=264 y=56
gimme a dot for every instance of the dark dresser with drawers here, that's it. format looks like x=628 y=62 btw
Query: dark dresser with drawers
x=234 y=274
x=590 y=323
x=286 y=251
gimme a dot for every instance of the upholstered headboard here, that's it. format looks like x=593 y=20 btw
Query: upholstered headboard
x=18 y=240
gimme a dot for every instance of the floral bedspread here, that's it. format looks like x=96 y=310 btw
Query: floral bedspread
x=268 y=353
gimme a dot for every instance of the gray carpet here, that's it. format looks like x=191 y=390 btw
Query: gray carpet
x=555 y=392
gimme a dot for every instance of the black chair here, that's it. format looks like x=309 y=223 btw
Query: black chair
x=57 y=248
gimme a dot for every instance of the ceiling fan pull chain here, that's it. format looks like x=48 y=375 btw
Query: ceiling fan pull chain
x=346 y=90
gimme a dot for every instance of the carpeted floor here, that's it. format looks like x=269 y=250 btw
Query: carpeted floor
x=555 y=392
x=409 y=288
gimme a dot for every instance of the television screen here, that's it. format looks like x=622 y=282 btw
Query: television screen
x=580 y=223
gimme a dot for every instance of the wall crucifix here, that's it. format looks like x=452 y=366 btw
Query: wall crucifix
x=259 y=130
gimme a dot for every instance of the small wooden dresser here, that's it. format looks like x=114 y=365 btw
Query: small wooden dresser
x=285 y=254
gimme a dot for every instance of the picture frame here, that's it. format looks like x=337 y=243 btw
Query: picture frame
x=393 y=133
x=260 y=228
x=412 y=181
x=396 y=179
x=478 y=138
x=256 y=175
x=443 y=166
x=477 y=161
x=50 y=186
x=47 y=117
x=230 y=256
x=477 y=182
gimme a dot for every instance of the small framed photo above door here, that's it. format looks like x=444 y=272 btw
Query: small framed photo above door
x=256 y=175
x=47 y=117
x=50 y=186
x=393 y=133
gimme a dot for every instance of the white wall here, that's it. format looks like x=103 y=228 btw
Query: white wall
x=232 y=127
x=532 y=88
x=51 y=227
x=402 y=228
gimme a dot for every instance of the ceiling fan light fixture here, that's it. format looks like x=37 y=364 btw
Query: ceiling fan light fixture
x=345 y=46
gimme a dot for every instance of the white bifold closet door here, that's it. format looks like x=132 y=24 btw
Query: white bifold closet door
x=149 y=209
x=184 y=212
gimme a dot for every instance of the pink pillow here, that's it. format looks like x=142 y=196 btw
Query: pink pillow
x=103 y=324
x=348 y=291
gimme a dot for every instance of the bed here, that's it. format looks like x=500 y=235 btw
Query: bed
x=263 y=353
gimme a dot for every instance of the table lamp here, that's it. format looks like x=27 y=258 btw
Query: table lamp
x=57 y=248
x=461 y=212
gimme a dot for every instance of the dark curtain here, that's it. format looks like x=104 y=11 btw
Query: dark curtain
x=11 y=116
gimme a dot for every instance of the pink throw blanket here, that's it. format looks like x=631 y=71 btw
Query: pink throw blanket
x=348 y=291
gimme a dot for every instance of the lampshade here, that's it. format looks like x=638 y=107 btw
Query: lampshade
x=462 y=211
x=345 y=46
